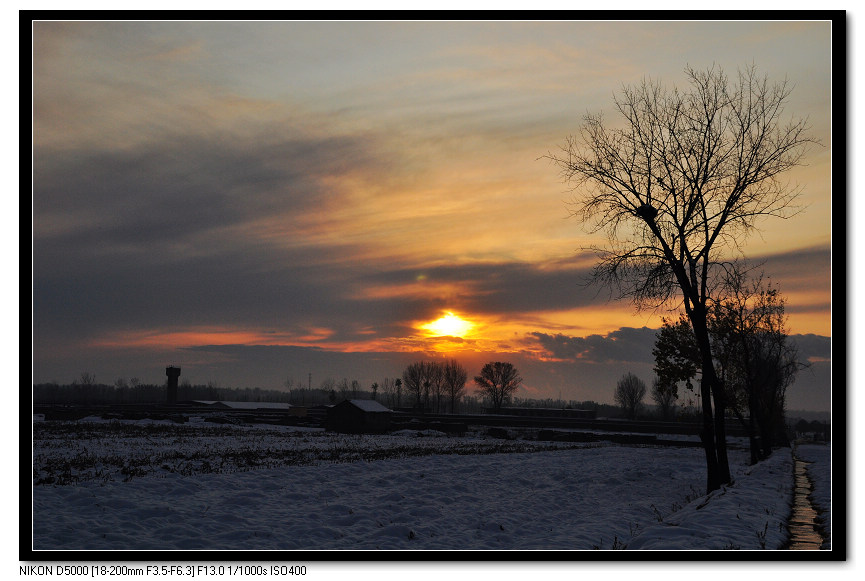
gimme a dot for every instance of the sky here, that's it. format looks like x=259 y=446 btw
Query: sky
x=263 y=201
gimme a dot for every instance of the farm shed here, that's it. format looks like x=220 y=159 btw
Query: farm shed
x=358 y=416
x=254 y=411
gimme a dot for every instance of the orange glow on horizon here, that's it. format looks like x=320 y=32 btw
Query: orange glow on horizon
x=450 y=333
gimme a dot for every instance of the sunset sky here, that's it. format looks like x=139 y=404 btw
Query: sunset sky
x=258 y=201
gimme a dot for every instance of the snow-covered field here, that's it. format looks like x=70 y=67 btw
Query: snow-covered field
x=158 y=486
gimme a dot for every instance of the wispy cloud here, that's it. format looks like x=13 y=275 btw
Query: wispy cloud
x=201 y=187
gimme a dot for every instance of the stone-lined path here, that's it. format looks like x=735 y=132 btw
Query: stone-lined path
x=804 y=529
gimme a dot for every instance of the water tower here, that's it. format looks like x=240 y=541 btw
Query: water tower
x=173 y=373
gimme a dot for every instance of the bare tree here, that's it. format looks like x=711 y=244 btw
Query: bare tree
x=498 y=381
x=426 y=381
x=329 y=386
x=387 y=390
x=414 y=378
x=435 y=379
x=455 y=376
x=344 y=389
x=630 y=391
x=680 y=183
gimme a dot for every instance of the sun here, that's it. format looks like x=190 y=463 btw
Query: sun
x=449 y=325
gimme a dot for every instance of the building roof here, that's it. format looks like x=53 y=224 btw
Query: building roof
x=368 y=405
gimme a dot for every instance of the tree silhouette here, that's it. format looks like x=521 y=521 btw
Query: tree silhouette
x=498 y=381
x=455 y=376
x=416 y=381
x=630 y=391
x=426 y=380
x=756 y=362
x=677 y=357
x=435 y=380
x=676 y=188
x=388 y=392
x=665 y=396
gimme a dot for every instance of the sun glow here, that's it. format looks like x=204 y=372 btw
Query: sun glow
x=449 y=325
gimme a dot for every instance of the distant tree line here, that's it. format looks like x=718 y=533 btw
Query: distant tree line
x=815 y=430
x=602 y=410
x=439 y=386
x=389 y=391
x=87 y=390
x=435 y=385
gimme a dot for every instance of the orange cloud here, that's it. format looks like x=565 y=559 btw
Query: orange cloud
x=156 y=338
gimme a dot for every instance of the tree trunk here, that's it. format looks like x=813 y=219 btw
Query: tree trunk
x=707 y=436
x=714 y=430
x=721 y=429
x=753 y=441
x=756 y=446
x=766 y=437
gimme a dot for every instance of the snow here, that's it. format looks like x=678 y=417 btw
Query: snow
x=751 y=513
x=163 y=486
x=820 y=474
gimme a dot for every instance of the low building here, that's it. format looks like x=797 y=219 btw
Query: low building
x=259 y=406
x=244 y=405
x=359 y=416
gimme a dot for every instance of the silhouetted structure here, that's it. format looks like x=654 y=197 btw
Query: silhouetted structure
x=356 y=416
x=544 y=412
x=173 y=373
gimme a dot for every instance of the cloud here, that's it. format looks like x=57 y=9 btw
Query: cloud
x=622 y=345
x=169 y=233
x=813 y=347
x=177 y=187
x=331 y=183
x=798 y=270
x=498 y=287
